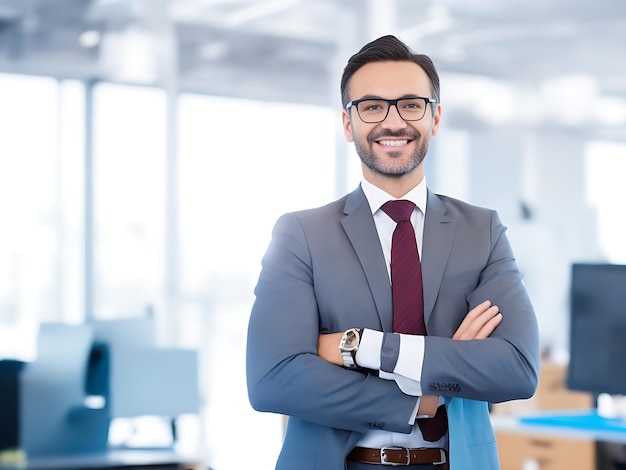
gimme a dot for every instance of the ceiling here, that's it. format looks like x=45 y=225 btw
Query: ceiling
x=536 y=54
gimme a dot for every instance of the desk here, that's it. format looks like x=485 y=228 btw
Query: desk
x=114 y=459
x=578 y=424
x=557 y=440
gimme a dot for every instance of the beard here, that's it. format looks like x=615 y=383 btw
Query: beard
x=397 y=166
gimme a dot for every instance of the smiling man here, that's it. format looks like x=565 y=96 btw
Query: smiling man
x=391 y=136
x=385 y=321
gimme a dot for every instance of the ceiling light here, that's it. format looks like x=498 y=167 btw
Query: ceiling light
x=89 y=39
x=258 y=11
x=129 y=56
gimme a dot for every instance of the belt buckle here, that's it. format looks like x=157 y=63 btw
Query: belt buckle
x=443 y=458
x=383 y=456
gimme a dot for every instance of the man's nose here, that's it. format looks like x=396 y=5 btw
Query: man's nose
x=393 y=119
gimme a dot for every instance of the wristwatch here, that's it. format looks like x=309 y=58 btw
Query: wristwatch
x=349 y=345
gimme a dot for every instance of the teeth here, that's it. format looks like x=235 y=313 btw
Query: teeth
x=393 y=143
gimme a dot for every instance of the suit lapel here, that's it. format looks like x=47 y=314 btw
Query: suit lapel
x=361 y=230
x=439 y=229
x=438 y=237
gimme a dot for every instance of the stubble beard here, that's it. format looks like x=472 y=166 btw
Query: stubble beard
x=394 y=167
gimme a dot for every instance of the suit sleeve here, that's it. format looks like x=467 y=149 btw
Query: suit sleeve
x=504 y=366
x=284 y=373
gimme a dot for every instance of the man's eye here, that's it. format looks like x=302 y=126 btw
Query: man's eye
x=412 y=106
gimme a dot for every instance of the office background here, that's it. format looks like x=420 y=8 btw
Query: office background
x=140 y=136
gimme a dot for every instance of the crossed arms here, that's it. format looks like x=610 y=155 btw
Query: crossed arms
x=479 y=323
x=295 y=303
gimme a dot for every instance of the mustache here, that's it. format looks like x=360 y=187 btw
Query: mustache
x=387 y=133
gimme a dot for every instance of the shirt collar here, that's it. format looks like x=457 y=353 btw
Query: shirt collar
x=376 y=197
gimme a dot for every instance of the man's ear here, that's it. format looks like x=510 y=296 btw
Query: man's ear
x=436 y=120
x=347 y=126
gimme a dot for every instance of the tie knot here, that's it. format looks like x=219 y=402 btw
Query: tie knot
x=399 y=210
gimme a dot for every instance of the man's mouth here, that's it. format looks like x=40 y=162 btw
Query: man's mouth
x=393 y=143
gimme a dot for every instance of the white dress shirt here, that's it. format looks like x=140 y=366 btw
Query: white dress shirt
x=408 y=370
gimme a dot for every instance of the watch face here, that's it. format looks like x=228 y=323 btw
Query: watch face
x=350 y=340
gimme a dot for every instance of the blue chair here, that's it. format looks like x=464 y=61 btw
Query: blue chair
x=54 y=416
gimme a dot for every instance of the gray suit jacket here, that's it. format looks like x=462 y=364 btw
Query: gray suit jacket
x=325 y=272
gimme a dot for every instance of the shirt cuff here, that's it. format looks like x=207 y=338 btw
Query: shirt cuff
x=408 y=370
x=368 y=354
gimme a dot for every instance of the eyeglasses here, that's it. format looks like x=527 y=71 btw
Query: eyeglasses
x=372 y=110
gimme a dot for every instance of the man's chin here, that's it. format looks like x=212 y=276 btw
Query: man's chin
x=392 y=170
x=392 y=163
x=397 y=166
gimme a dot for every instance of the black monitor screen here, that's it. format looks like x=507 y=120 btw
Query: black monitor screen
x=598 y=329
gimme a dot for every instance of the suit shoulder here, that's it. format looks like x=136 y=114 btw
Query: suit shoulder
x=459 y=206
x=317 y=215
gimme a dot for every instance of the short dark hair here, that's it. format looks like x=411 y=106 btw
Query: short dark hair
x=387 y=48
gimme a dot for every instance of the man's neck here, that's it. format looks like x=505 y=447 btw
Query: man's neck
x=397 y=186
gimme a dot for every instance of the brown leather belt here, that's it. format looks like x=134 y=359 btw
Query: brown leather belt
x=398 y=456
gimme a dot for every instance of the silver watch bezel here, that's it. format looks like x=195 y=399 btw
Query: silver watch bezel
x=348 y=352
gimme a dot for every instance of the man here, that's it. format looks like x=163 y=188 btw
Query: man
x=323 y=344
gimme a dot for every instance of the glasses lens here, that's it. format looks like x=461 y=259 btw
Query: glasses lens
x=372 y=110
x=412 y=109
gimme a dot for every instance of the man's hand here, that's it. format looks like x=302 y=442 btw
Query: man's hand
x=328 y=348
x=479 y=323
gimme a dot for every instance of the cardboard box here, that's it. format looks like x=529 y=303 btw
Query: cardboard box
x=552 y=394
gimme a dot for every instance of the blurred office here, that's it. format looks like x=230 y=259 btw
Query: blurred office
x=135 y=133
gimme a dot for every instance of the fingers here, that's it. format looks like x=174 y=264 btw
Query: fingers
x=489 y=326
x=480 y=322
x=428 y=405
x=469 y=318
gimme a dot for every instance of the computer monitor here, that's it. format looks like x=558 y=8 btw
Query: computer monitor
x=597 y=361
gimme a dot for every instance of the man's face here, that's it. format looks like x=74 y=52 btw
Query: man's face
x=393 y=147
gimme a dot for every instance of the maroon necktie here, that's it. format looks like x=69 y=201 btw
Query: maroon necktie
x=408 y=297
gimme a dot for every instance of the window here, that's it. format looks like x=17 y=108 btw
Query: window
x=605 y=167
x=242 y=164
x=40 y=208
x=129 y=199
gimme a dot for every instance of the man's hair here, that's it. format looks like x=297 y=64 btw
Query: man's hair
x=383 y=49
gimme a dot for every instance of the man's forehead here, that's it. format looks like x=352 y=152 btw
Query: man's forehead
x=377 y=77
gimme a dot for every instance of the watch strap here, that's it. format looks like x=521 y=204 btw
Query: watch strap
x=349 y=356
x=349 y=359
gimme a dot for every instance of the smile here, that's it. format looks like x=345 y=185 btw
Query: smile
x=393 y=143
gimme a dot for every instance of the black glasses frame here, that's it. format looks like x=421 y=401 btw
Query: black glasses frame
x=390 y=103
